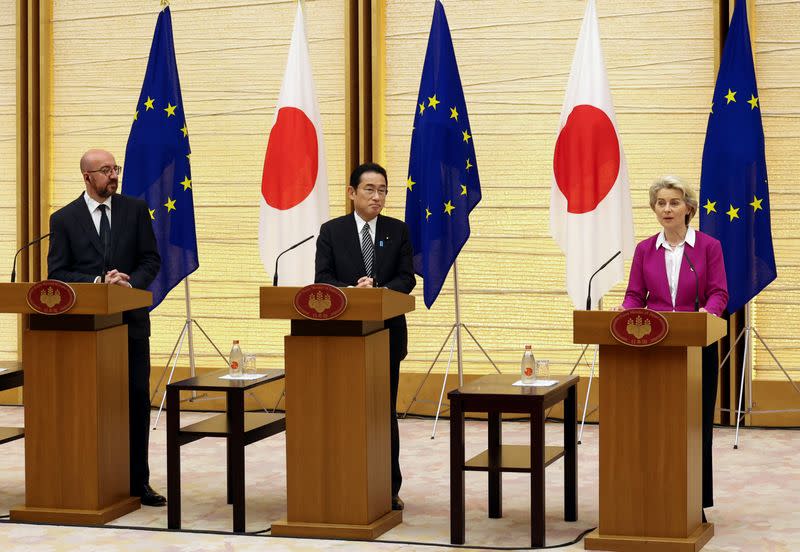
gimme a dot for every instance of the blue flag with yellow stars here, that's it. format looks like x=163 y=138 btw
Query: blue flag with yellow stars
x=442 y=186
x=734 y=196
x=157 y=163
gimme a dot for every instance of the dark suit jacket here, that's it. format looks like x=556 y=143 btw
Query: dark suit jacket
x=76 y=254
x=339 y=262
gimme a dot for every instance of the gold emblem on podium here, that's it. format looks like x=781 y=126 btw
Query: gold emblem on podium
x=319 y=301
x=50 y=297
x=638 y=329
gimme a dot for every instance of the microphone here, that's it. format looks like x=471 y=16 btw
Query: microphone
x=696 y=282
x=589 y=293
x=275 y=276
x=26 y=246
x=106 y=256
x=374 y=273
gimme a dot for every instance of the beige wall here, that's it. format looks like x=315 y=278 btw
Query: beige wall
x=8 y=167
x=777 y=32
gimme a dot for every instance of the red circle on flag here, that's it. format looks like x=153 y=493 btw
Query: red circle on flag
x=291 y=163
x=586 y=160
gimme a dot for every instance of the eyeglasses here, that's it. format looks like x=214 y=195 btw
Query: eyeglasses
x=108 y=170
x=370 y=191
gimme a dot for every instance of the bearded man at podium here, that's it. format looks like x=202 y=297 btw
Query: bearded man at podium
x=367 y=249
x=105 y=237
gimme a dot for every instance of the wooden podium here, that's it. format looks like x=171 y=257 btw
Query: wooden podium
x=650 y=434
x=77 y=465
x=338 y=468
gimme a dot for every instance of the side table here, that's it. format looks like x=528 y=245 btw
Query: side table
x=240 y=428
x=495 y=394
x=10 y=378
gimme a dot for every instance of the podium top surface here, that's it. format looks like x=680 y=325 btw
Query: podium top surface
x=686 y=329
x=362 y=303
x=99 y=299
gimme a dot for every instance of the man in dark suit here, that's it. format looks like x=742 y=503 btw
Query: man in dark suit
x=106 y=237
x=367 y=249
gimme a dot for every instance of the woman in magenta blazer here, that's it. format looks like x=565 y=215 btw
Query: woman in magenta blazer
x=681 y=269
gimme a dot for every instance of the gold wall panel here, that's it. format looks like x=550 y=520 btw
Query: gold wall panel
x=8 y=166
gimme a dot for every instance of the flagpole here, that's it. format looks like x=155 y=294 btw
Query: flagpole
x=459 y=350
x=192 y=370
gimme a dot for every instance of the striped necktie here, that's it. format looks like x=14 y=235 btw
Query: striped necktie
x=367 y=249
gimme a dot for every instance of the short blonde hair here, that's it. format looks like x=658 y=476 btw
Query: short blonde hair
x=670 y=182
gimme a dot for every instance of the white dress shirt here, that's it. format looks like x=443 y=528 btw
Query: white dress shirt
x=360 y=226
x=94 y=210
x=673 y=257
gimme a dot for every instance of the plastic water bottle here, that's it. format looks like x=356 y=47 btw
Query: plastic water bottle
x=236 y=359
x=527 y=365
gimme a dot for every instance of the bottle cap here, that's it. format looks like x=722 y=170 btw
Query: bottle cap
x=235 y=341
x=527 y=346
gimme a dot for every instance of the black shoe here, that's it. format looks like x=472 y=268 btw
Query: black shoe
x=397 y=503
x=151 y=498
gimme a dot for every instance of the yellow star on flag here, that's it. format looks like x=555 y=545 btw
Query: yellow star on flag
x=469 y=165
x=756 y=204
x=463 y=190
x=170 y=204
x=753 y=101
x=152 y=214
x=427 y=213
x=710 y=206
x=448 y=207
x=136 y=115
x=410 y=184
x=733 y=213
x=170 y=109
x=421 y=108
x=189 y=156
x=186 y=183
x=433 y=102
x=454 y=113
x=185 y=131
x=712 y=108
x=466 y=135
x=730 y=96
x=149 y=104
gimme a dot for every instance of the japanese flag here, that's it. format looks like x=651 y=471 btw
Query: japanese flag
x=294 y=184
x=590 y=203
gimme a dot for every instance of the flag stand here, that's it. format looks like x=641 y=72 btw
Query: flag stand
x=176 y=353
x=455 y=345
x=588 y=387
x=747 y=373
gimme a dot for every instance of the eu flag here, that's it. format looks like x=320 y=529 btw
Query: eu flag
x=443 y=185
x=157 y=163
x=734 y=195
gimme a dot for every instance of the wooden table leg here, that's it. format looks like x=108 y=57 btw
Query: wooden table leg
x=495 y=475
x=457 y=514
x=571 y=455
x=173 y=459
x=236 y=456
x=537 y=477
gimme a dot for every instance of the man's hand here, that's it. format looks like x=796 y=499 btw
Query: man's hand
x=115 y=277
x=364 y=281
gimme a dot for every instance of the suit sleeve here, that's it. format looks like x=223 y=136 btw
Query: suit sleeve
x=149 y=261
x=716 y=280
x=59 y=255
x=636 y=294
x=324 y=264
x=404 y=279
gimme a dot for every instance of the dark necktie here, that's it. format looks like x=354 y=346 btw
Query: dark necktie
x=105 y=235
x=367 y=249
